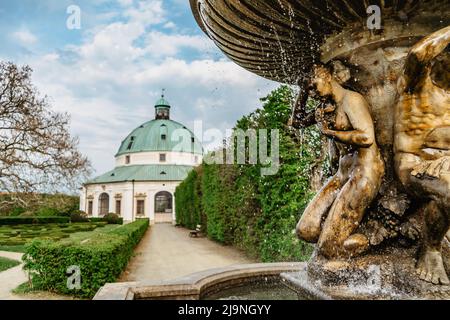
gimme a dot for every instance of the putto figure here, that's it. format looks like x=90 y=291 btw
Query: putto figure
x=337 y=210
x=422 y=144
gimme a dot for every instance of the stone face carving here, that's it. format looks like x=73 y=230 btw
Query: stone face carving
x=422 y=143
x=343 y=201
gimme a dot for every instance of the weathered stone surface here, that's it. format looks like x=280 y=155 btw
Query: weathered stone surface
x=391 y=69
x=279 y=39
x=198 y=285
x=389 y=274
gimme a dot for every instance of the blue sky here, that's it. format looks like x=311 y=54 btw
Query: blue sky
x=109 y=73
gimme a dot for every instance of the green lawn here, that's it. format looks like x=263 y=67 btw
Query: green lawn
x=6 y=264
x=17 y=248
x=14 y=238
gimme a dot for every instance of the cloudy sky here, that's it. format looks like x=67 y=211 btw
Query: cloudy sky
x=109 y=73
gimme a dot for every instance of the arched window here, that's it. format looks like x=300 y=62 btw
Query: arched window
x=103 y=204
x=163 y=202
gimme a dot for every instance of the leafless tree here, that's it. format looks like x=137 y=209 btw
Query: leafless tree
x=37 y=152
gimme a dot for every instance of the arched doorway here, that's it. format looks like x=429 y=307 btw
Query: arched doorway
x=163 y=202
x=163 y=207
x=103 y=204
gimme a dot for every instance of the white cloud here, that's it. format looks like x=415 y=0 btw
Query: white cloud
x=161 y=44
x=113 y=43
x=119 y=70
x=170 y=25
x=125 y=3
x=25 y=37
x=146 y=13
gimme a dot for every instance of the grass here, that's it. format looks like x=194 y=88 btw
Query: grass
x=23 y=289
x=15 y=248
x=14 y=238
x=33 y=292
x=80 y=236
x=6 y=264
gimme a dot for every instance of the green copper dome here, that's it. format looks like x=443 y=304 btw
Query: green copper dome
x=161 y=135
x=162 y=103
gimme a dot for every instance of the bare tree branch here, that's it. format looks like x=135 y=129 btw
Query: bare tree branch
x=37 y=152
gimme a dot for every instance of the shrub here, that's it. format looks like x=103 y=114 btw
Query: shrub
x=16 y=211
x=112 y=218
x=101 y=259
x=119 y=220
x=78 y=216
x=47 y=212
x=32 y=220
x=27 y=214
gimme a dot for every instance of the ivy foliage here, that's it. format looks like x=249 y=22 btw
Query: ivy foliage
x=239 y=206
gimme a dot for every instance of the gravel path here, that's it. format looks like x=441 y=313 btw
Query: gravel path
x=167 y=252
x=11 y=278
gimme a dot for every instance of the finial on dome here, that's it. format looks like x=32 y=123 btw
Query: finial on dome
x=162 y=107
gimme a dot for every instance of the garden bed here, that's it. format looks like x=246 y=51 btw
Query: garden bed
x=19 y=235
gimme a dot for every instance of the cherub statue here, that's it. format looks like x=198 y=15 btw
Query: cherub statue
x=422 y=144
x=334 y=215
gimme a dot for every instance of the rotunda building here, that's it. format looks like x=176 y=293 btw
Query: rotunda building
x=150 y=163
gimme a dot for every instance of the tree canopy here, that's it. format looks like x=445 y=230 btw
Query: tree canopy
x=37 y=151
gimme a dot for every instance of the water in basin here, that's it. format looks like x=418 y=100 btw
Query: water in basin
x=256 y=291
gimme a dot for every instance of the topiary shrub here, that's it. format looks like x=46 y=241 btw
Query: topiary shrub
x=112 y=218
x=119 y=220
x=78 y=216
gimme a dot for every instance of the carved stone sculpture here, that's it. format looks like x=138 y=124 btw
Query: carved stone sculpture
x=422 y=144
x=344 y=199
x=385 y=96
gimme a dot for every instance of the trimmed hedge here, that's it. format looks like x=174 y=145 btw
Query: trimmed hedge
x=109 y=221
x=188 y=197
x=101 y=259
x=239 y=206
x=10 y=221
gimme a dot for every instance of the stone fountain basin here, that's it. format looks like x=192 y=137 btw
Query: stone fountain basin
x=199 y=285
x=318 y=280
x=281 y=39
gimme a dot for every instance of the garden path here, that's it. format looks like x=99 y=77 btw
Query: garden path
x=167 y=252
x=11 y=278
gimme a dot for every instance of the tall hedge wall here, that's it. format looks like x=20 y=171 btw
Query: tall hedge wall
x=188 y=198
x=253 y=212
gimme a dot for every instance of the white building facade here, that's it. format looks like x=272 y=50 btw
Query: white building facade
x=151 y=162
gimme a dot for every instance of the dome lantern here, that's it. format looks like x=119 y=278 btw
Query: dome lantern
x=162 y=108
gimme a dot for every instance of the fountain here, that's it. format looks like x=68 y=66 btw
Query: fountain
x=381 y=74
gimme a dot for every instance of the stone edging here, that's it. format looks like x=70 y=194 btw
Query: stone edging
x=197 y=285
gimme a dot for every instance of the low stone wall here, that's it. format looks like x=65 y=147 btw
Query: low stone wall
x=198 y=285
